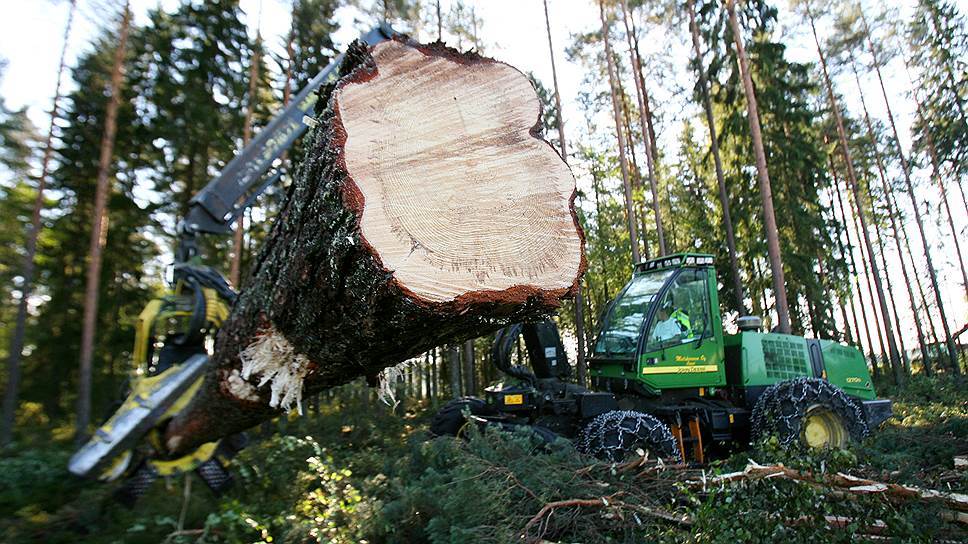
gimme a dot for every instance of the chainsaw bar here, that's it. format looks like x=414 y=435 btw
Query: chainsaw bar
x=139 y=413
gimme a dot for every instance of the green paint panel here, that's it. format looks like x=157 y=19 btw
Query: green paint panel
x=847 y=369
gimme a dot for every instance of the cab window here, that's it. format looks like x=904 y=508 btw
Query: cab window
x=623 y=324
x=682 y=314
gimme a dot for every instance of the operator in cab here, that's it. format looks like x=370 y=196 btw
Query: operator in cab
x=671 y=324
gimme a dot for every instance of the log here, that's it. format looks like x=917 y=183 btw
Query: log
x=428 y=211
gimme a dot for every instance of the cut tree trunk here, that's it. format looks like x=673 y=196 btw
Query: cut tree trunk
x=427 y=212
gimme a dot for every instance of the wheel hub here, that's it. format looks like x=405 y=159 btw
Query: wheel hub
x=823 y=429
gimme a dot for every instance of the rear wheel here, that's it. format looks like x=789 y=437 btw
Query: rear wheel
x=449 y=420
x=621 y=434
x=808 y=412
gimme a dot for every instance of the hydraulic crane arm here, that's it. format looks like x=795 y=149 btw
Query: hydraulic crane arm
x=214 y=208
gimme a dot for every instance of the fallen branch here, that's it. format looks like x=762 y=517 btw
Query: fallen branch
x=844 y=482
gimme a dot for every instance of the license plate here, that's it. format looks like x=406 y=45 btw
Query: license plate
x=513 y=399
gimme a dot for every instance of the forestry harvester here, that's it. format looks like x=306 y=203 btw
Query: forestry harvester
x=666 y=379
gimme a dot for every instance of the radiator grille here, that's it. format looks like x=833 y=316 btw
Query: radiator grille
x=784 y=359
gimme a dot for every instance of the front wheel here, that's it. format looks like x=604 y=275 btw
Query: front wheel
x=450 y=420
x=620 y=434
x=808 y=412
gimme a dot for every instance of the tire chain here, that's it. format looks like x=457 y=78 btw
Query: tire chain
x=632 y=428
x=781 y=408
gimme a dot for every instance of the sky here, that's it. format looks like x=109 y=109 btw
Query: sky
x=31 y=34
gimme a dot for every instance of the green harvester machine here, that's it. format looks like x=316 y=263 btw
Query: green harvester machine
x=666 y=379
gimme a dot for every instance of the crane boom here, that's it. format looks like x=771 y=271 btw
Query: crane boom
x=248 y=174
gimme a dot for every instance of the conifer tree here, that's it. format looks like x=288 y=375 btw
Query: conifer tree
x=13 y=154
x=766 y=192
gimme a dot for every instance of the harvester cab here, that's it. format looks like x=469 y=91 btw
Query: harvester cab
x=666 y=378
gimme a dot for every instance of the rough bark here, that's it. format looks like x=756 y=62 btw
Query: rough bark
x=397 y=236
x=717 y=162
x=99 y=232
x=617 y=112
x=763 y=174
x=12 y=387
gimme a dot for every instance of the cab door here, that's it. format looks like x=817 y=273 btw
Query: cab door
x=682 y=345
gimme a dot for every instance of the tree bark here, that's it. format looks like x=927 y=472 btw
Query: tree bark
x=398 y=235
x=766 y=192
x=99 y=232
x=12 y=387
x=623 y=162
x=717 y=162
x=580 y=368
x=470 y=385
x=896 y=365
x=906 y=168
x=647 y=133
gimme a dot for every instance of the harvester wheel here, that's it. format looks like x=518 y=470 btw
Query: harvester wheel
x=449 y=420
x=809 y=412
x=617 y=435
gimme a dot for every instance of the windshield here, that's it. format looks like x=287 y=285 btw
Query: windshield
x=620 y=333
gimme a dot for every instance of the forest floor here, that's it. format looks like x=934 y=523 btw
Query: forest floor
x=359 y=472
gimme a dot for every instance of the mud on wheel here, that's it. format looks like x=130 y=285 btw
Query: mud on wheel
x=808 y=412
x=449 y=420
x=615 y=436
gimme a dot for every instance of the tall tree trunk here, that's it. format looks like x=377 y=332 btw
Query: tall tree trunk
x=379 y=256
x=866 y=267
x=99 y=232
x=470 y=381
x=891 y=213
x=617 y=111
x=717 y=161
x=848 y=335
x=235 y=271
x=580 y=369
x=852 y=266
x=936 y=174
x=906 y=168
x=12 y=388
x=896 y=364
x=646 y=128
x=766 y=192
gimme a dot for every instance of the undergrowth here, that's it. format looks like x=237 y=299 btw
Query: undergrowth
x=360 y=473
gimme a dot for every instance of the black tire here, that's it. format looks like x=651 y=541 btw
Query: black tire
x=449 y=420
x=782 y=409
x=615 y=436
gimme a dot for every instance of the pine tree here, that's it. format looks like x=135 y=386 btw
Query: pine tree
x=14 y=157
x=855 y=190
x=99 y=229
x=766 y=192
x=938 y=44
